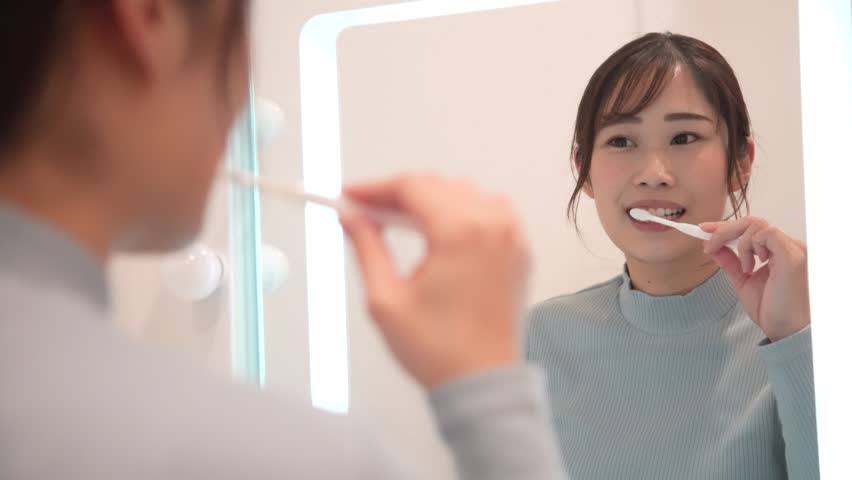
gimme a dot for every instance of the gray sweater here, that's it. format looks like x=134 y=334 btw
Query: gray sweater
x=79 y=401
x=674 y=387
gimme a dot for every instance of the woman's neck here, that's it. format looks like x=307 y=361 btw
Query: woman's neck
x=676 y=277
x=38 y=189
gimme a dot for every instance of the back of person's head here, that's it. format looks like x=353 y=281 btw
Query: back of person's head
x=125 y=104
x=635 y=75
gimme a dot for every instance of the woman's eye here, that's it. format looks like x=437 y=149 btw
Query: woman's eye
x=620 y=142
x=684 y=139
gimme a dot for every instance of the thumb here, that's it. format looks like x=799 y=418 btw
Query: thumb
x=709 y=227
x=377 y=267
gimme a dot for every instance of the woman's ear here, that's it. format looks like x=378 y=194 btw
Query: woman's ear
x=587 y=185
x=587 y=188
x=744 y=164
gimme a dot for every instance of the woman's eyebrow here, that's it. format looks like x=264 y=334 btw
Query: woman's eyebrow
x=622 y=118
x=671 y=117
x=619 y=118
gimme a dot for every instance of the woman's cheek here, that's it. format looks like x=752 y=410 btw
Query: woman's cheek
x=611 y=181
x=706 y=182
x=709 y=162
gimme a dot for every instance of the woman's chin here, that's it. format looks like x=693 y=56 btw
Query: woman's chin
x=662 y=253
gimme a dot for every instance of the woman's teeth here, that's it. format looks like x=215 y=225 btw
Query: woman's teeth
x=667 y=212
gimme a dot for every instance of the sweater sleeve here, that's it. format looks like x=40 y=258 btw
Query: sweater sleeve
x=790 y=366
x=498 y=426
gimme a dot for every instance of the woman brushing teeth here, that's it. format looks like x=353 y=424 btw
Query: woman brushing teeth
x=691 y=364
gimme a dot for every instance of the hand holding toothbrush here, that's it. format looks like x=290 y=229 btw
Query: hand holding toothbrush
x=459 y=312
x=775 y=296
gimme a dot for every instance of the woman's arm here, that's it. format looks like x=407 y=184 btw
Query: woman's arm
x=775 y=296
x=790 y=365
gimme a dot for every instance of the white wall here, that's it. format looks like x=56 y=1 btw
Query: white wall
x=489 y=95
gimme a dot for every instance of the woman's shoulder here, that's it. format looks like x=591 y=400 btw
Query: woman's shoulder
x=598 y=296
x=565 y=322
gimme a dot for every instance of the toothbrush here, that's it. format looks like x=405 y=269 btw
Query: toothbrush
x=296 y=192
x=687 y=228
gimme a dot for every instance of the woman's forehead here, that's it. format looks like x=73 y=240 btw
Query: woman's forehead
x=656 y=93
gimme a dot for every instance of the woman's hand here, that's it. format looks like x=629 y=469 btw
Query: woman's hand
x=458 y=312
x=775 y=296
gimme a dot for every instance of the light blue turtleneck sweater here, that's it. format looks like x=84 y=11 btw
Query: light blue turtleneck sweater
x=678 y=387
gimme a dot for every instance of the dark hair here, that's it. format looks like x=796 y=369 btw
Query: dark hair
x=634 y=76
x=31 y=33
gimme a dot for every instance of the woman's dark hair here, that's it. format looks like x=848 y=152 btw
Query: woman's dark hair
x=634 y=76
x=31 y=34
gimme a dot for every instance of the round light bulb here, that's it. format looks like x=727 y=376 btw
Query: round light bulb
x=274 y=266
x=193 y=274
x=269 y=120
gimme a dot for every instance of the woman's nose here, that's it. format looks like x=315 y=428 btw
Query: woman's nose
x=655 y=172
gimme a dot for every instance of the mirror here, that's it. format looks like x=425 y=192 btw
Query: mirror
x=489 y=90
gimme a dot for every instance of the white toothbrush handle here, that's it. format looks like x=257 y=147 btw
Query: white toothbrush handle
x=383 y=217
x=695 y=231
x=691 y=230
x=297 y=192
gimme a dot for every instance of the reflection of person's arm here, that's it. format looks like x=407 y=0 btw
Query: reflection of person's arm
x=497 y=423
x=498 y=426
x=790 y=365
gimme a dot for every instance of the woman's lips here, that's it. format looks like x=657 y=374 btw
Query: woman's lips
x=652 y=207
x=649 y=226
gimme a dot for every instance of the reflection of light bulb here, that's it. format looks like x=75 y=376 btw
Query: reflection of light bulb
x=193 y=274
x=269 y=120
x=274 y=266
